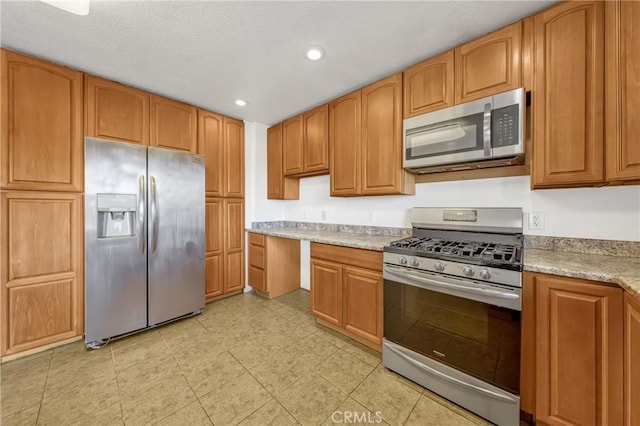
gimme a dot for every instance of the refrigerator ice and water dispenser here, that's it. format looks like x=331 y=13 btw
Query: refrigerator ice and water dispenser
x=116 y=215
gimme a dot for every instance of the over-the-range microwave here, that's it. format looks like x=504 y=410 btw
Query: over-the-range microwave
x=466 y=135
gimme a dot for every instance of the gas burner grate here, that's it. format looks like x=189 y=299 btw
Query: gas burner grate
x=461 y=249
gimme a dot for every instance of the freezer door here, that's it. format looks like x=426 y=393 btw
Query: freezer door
x=176 y=234
x=115 y=239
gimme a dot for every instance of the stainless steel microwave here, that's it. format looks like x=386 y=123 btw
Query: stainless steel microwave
x=487 y=129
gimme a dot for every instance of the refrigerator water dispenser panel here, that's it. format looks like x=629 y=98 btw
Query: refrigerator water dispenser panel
x=116 y=215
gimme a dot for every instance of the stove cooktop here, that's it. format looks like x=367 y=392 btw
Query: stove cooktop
x=476 y=252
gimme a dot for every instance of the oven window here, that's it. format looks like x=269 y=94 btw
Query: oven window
x=449 y=137
x=480 y=339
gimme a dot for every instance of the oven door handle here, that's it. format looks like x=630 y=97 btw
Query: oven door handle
x=429 y=283
x=434 y=372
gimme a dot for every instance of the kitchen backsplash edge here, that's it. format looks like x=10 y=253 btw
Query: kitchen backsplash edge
x=387 y=231
x=583 y=245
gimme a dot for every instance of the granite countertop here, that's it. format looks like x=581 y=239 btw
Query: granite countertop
x=347 y=239
x=624 y=271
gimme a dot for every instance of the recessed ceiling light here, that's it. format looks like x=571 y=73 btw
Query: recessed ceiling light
x=241 y=102
x=315 y=53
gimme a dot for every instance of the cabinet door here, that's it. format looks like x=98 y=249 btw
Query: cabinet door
x=316 y=139
x=214 y=244
x=362 y=295
x=568 y=95
x=292 y=146
x=173 y=125
x=257 y=262
x=428 y=86
x=115 y=111
x=578 y=352
x=326 y=291
x=234 y=245
x=278 y=187
x=211 y=145
x=345 y=130
x=622 y=87
x=233 y=157
x=42 y=269
x=489 y=64
x=382 y=171
x=42 y=134
x=631 y=361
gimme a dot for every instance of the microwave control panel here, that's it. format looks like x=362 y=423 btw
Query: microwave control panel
x=504 y=126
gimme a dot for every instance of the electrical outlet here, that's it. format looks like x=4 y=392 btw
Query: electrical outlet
x=371 y=216
x=324 y=215
x=536 y=220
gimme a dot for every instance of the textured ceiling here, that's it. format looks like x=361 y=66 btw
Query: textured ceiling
x=209 y=53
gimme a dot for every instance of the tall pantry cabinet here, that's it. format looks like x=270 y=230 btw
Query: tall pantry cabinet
x=221 y=141
x=41 y=254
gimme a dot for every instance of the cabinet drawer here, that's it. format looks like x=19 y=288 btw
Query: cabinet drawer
x=256 y=278
x=368 y=259
x=257 y=239
x=256 y=256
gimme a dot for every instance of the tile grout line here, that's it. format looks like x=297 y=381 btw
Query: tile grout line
x=113 y=363
x=44 y=388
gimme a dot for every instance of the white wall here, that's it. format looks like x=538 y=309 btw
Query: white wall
x=611 y=213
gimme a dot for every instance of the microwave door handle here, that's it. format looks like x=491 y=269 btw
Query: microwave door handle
x=486 y=130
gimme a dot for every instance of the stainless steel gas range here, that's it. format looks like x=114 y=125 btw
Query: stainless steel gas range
x=452 y=304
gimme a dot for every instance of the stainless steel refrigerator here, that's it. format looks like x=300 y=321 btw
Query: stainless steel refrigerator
x=144 y=237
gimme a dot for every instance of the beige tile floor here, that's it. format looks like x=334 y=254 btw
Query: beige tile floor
x=246 y=360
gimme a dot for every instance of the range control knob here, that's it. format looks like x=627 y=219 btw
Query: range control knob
x=414 y=262
x=468 y=271
x=485 y=274
x=402 y=260
x=438 y=266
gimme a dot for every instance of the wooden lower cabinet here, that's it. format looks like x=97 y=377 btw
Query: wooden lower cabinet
x=224 y=252
x=41 y=263
x=578 y=351
x=346 y=291
x=274 y=264
x=631 y=360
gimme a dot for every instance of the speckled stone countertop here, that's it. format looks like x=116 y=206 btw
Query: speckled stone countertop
x=363 y=237
x=624 y=271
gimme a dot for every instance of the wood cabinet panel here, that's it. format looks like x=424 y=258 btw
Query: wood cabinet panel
x=579 y=352
x=257 y=239
x=326 y=291
x=631 y=361
x=274 y=264
x=214 y=273
x=316 y=139
x=234 y=244
x=211 y=145
x=568 y=95
x=362 y=298
x=173 y=125
x=429 y=86
x=233 y=157
x=115 y=111
x=622 y=106
x=292 y=146
x=278 y=186
x=382 y=171
x=214 y=247
x=257 y=278
x=41 y=269
x=42 y=130
x=345 y=133
x=368 y=259
x=256 y=256
x=489 y=64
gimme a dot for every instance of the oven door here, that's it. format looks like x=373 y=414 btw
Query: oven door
x=470 y=326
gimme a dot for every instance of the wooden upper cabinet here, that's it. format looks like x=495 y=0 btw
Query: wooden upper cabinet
x=173 y=125
x=622 y=106
x=293 y=146
x=115 y=111
x=42 y=132
x=428 y=86
x=568 y=140
x=278 y=186
x=631 y=361
x=345 y=132
x=382 y=171
x=489 y=64
x=316 y=139
x=211 y=145
x=233 y=157
x=579 y=357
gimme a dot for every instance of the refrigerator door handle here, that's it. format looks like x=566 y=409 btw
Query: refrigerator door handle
x=142 y=201
x=154 y=215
